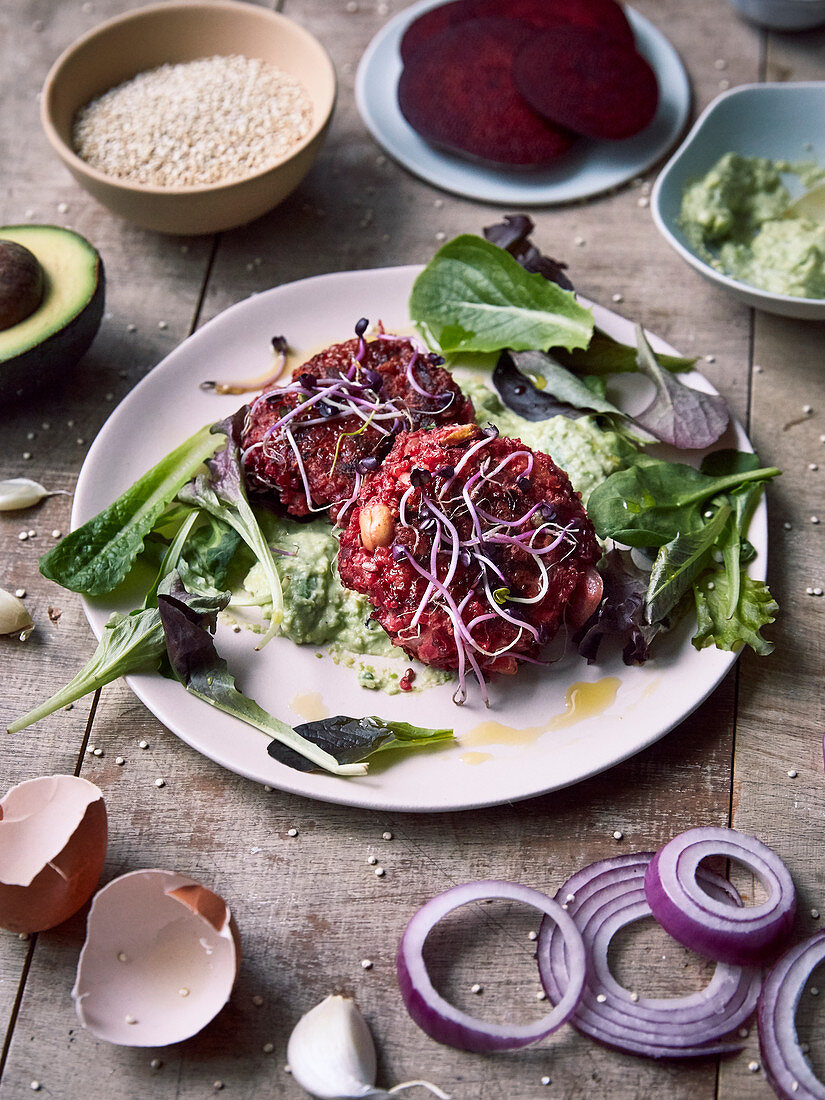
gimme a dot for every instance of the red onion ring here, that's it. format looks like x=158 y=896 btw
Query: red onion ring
x=602 y=899
x=449 y=1025
x=785 y=1065
x=742 y=936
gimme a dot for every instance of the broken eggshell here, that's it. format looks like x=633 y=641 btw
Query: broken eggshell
x=159 y=962
x=52 y=847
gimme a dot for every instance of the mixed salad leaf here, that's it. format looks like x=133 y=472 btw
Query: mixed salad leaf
x=687 y=527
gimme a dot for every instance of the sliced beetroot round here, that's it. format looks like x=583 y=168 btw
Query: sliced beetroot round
x=602 y=15
x=432 y=22
x=458 y=92
x=582 y=79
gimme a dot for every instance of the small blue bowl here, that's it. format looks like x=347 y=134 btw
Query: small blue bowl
x=779 y=121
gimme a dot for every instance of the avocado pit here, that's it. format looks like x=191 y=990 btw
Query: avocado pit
x=21 y=283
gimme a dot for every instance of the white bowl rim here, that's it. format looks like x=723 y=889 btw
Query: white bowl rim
x=72 y=159
x=686 y=254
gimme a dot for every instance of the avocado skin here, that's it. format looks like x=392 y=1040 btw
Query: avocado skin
x=48 y=361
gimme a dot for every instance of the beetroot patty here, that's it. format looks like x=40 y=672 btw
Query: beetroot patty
x=307 y=445
x=457 y=91
x=470 y=548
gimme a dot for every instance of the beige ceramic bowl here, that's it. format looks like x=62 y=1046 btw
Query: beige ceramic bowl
x=173 y=32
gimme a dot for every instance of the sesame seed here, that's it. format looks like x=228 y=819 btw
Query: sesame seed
x=757 y=369
x=155 y=1063
x=366 y=964
x=753 y=1067
x=601 y=998
x=183 y=991
x=27 y=455
x=815 y=914
x=788 y=525
x=56 y=534
x=206 y=121
x=812 y=466
x=32 y=534
x=143 y=744
x=292 y=832
x=643 y=201
x=257 y=1000
x=120 y=761
x=351 y=7
x=163 y=325
x=35 y=1086
x=541 y=995
x=267 y=1048
x=90 y=749
x=371 y=860
x=814 y=520
x=579 y=241
x=634 y=996
x=130 y=1020
x=724 y=85
x=22 y=935
x=532 y=935
x=160 y=783
x=720 y=63
x=69 y=706
x=63 y=208
x=122 y=957
x=743 y=1033
x=814 y=991
x=98 y=752
x=268 y=789
x=545 y=1080
x=30 y=435
x=710 y=358
x=217 y=1085
x=23 y=536
x=807 y=409
x=570 y=897
x=386 y=836
x=618 y=297
x=618 y=834
x=441 y=235
x=476 y=988
x=20 y=593
x=80 y=441
x=380 y=872
x=792 y=773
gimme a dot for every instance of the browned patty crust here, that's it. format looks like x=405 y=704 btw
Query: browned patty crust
x=470 y=547
x=307 y=445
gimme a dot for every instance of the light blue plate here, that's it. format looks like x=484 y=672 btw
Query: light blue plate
x=590 y=168
x=779 y=121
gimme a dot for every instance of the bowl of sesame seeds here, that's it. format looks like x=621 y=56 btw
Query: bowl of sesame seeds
x=190 y=116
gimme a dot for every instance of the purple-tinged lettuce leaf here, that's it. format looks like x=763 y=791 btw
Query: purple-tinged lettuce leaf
x=684 y=417
x=513 y=235
x=621 y=614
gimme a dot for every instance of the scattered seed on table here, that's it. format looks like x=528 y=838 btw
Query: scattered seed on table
x=812 y=466
x=366 y=964
x=476 y=988
x=257 y=1000
x=541 y=995
x=618 y=835
x=380 y=872
x=217 y=1086
x=98 y=752
x=634 y=996
x=788 y=525
x=545 y=1080
x=292 y=832
x=35 y=1086
x=160 y=783
x=710 y=358
x=753 y=1067
x=162 y=325
x=387 y=835
x=532 y=935
x=371 y=860
x=268 y=1048
x=815 y=914
x=814 y=520
x=156 y=1063
x=814 y=991
x=120 y=761
x=743 y=1033
x=807 y=409
x=792 y=773
x=22 y=935
x=720 y=63
x=143 y=744
x=618 y=297
x=23 y=536
x=601 y=998
x=69 y=706
x=643 y=201
x=56 y=534
x=20 y=593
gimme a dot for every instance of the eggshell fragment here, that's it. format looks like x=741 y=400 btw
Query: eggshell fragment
x=159 y=962
x=53 y=836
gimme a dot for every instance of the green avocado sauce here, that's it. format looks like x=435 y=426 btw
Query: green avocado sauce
x=319 y=611
x=733 y=220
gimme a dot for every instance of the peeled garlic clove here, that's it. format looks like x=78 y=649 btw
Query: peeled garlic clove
x=52 y=849
x=331 y=1053
x=22 y=492
x=14 y=615
x=159 y=962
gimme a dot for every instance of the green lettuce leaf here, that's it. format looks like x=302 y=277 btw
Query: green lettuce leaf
x=755 y=608
x=473 y=296
x=96 y=557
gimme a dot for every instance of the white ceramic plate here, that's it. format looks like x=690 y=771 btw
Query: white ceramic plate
x=777 y=121
x=167 y=406
x=590 y=168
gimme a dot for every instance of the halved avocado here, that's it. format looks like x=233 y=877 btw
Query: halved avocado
x=53 y=337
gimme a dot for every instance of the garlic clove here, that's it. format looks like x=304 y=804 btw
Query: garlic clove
x=14 y=616
x=331 y=1053
x=21 y=492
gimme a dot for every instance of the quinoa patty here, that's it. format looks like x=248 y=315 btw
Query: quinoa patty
x=307 y=445
x=472 y=549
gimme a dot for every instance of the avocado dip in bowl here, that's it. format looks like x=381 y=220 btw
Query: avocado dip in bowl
x=721 y=200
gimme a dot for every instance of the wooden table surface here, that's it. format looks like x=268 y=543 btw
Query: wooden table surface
x=309 y=907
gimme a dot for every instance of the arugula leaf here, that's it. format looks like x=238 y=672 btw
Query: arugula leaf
x=96 y=557
x=222 y=494
x=196 y=663
x=355 y=739
x=678 y=414
x=621 y=614
x=755 y=608
x=129 y=643
x=680 y=562
x=473 y=296
x=652 y=502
